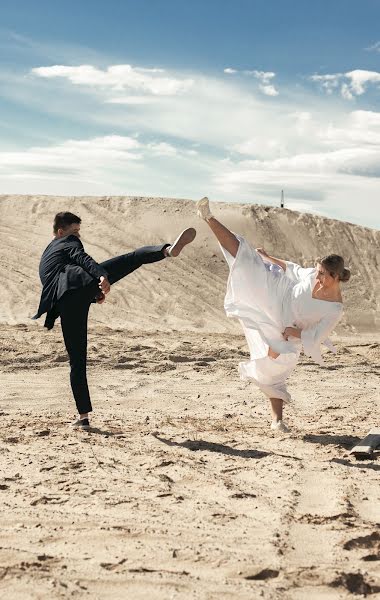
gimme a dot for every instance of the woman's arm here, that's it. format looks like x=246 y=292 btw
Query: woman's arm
x=272 y=259
x=312 y=337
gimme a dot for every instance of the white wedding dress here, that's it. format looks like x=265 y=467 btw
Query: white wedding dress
x=266 y=300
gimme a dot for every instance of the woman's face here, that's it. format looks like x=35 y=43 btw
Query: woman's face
x=324 y=277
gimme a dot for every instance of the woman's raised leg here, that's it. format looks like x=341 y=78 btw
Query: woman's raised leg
x=224 y=236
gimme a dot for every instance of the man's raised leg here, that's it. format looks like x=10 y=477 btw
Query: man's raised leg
x=123 y=265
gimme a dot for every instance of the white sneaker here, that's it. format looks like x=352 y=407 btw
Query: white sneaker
x=81 y=424
x=203 y=209
x=279 y=426
x=184 y=238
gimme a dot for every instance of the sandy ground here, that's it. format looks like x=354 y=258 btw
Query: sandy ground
x=181 y=490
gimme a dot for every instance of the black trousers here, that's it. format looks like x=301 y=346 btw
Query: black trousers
x=74 y=306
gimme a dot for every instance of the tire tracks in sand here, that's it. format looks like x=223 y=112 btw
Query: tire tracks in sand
x=323 y=519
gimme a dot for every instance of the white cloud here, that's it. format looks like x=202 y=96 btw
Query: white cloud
x=360 y=129
x=328 y=82
x=346 y=92
x=360 y=78
x=219 y=136
x=260 y=147
x=374 y=48
x=366 y=118
x=351 y=160
x=265 y=77
x=118 y=78
x=132 y=100
x=163 y=149
x=268 y=90
x=74 y=155
x=103 y=165
x=250 y=147
x=89 y=158
x=301 y=206
x=336 y=173
x=91 y=153
x=353 y=83
x=342 y=196
x=303 y=120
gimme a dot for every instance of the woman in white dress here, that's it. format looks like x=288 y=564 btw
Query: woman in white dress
x=281 y=306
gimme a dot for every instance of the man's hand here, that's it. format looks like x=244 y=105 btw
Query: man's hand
x=100 y=298
x=272 y=353
x=104 y=285
x=291 y=332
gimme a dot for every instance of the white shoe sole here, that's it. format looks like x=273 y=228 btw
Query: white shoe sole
x=184 y=238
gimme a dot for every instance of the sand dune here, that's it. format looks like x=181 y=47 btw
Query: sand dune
x=181 y=490
x=185 y=294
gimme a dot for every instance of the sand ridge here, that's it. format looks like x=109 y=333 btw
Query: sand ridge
x=185 y=293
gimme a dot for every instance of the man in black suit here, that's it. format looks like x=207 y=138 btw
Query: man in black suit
x=72 y=280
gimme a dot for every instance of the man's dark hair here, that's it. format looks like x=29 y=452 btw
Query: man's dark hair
x=64 y=219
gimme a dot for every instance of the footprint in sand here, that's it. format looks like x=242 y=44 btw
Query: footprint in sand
x=73 y=466
x=126 y=365
x=263 y=575
x=354 y=583
x=366 y=541
x=49 y=500
x=60 y=358
x=42 y=432
x=178 y=358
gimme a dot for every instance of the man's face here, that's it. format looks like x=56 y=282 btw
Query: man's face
x=72 y=229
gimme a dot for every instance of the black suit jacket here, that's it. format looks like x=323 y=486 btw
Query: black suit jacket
x=64 y=266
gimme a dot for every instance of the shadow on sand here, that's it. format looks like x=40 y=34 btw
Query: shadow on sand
x=345 y=441
x=360 y=464
x=104 y=432
x=196 y=445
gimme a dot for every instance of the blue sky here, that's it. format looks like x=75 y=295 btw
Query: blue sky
x=236 y=100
